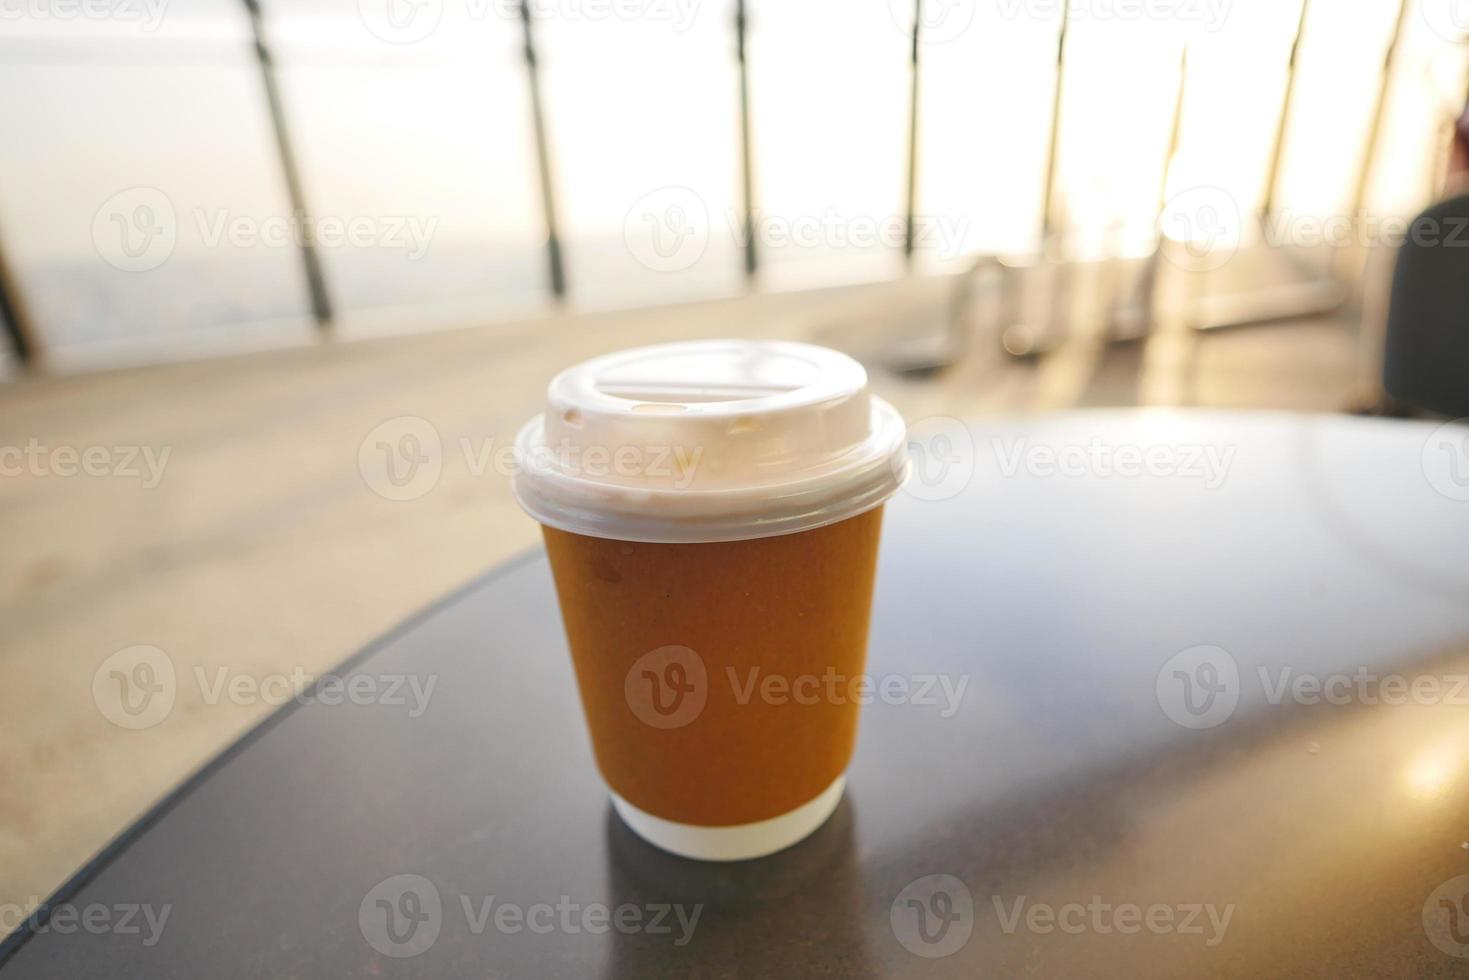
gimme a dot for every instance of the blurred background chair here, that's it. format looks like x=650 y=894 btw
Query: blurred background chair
x=1426 y=355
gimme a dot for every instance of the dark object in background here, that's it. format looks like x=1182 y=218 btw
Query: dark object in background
x=1459 y=148
x=1426 y=360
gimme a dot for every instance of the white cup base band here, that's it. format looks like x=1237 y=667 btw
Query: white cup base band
x=738 y=842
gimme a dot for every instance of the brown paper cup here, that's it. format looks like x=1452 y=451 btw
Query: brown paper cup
x=720 y=680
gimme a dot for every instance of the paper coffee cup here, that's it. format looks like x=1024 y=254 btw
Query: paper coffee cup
x=711 y=511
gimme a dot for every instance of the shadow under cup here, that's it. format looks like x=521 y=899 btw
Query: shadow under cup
x=721 y=681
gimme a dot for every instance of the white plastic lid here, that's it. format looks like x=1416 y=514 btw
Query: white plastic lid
x=716 y=440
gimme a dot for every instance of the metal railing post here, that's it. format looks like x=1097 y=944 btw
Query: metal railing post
x=911 y=203
x=1319 y=292
x=1282 y=126
x=321 y=306
x=18 y=326
x=1049 y=220
x=543 y=158
x=747 y=179
x=1379 y=114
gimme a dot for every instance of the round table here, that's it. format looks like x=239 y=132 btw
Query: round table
x=1148 y=720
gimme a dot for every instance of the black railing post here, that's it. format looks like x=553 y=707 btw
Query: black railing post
x=543 y=157
x=1282 y=127
x=747 y=180
x=1049 y=220
x=321 y=307
x=1379 y=114
x=18 y=327
x=911 y=203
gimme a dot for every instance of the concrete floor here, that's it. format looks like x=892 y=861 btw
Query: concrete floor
x=264 y=551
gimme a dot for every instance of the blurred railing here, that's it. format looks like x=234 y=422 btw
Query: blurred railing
x=927 y=24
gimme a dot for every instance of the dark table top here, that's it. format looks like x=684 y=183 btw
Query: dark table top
x=1134 y=780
